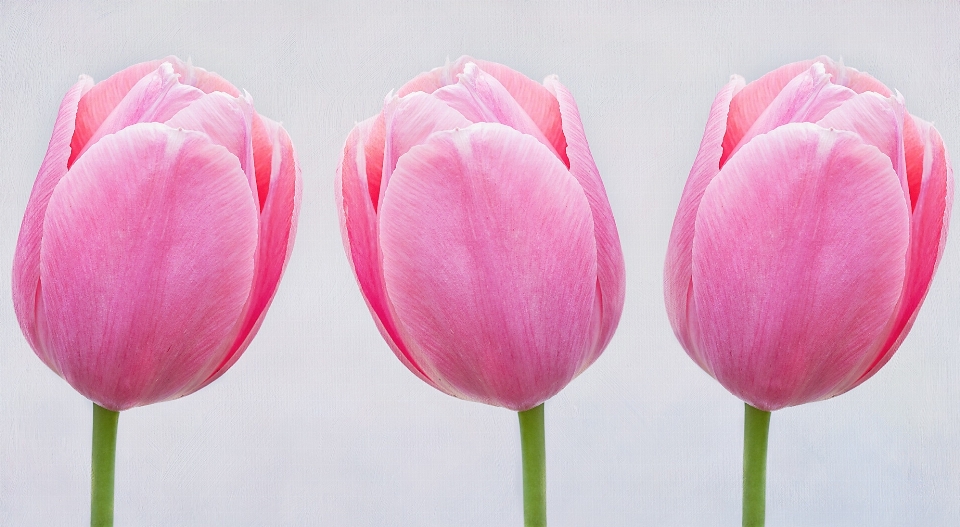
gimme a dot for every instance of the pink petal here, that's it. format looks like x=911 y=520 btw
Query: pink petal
x=914 y=147
x=155 y=98
x=611 y=274
x=481 y=98
x=798 y=260
x=807 y=98
x=358 y=227
x=278 y=228
x=147 y=260
x=489 y=258
x=409 y=121
x=26 y=260
x=878 y=121
x=754 y=98
x=97 y=103
x=538 y=103
x=677 y=271
x=226 y=121
x=928 y=236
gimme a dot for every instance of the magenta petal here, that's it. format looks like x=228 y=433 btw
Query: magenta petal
x=26 y=260
x=677 y=272
x=146 y=262
x=358 y=227
x=784 y=313
x=156 y=97
x=481 y=98
x=611 y=274
x=489 y=259
x=807 y=98
x=929 y=223
x=278 y=228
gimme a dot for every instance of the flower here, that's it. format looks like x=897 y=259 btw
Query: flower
x=154 y=239
x=808 y=233
x=479 y=231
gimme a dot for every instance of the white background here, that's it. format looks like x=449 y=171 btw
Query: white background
x=319 y=424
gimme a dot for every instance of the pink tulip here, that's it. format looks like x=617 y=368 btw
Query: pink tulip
x=808 y=233
x=155 y=236
x=480 y=233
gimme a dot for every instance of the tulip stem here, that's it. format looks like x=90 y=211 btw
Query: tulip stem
x=102 y=466
x=756 y=428
x=534 y=467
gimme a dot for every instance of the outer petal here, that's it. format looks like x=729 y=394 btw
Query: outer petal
x=409 y=121
x=358 y=227
x=611 y=274
x=26 y=261
x=805 y=99
x=677 y=271
x=278 y=228
x=798 y=261
x=146 y=260
x=489 y=258
x=156 y=97
x=928 y=236
x=481 y=98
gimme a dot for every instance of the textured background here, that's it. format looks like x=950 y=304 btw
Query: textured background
x=319 y=424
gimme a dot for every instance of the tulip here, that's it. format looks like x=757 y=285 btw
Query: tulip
x=806 y=239
x=480 y=234
x=154 y=239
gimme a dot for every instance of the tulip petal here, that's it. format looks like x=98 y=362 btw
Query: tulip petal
x=929 y=223
x=156 y=97
x=409 y=121
x=753 y=99
x=481 y=98
x=358 y=227
x=278 y=229
x=489 y=258
x=611 y=274
x=538 y=103
x=97 y=103
x=147 y=260
x=26 y=261
x=677 y=272
x=226 y=121
x=784 y=312
x=914 y=147
x=878 y=121
x=807 y=98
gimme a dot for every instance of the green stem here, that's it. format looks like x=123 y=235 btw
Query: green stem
x=756 y=427
x=102 y=467
x=534 y=467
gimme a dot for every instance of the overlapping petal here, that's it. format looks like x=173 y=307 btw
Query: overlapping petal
x=488 y=249
x=784 y=312
x=147 y=260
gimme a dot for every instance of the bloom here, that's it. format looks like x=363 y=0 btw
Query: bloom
x=158 y=228
x=807 y=235
x=479 y=231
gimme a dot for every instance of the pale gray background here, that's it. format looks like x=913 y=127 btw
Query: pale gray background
x=319 y=424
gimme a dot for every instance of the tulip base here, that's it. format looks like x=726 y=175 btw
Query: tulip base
x=756 y=428
x=534 y=467
x=102 y=466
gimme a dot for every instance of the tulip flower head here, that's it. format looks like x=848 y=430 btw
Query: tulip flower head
x=807 y=235
x=154 y=239
x=480 y=233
